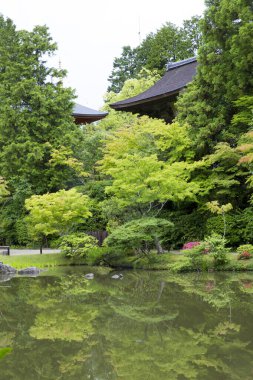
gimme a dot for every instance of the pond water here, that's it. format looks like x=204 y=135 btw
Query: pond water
x=145 y=326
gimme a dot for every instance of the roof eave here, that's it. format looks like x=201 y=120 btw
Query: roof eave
x=148 y=100
x=102 y=114
x=86 y=119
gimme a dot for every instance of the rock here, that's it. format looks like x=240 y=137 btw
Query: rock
x=89 y=276
x=6 y=277
x=6 y=269
x=32 y=271
x=117 y=276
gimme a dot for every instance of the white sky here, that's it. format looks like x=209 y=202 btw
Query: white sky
x=90 y=34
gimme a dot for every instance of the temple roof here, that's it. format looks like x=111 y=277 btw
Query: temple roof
x=177 y=76
x=84 y=115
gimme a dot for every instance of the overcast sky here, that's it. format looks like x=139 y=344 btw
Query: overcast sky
x=91 y=33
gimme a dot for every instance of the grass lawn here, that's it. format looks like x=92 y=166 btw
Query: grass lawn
x=169 y=261
x=39 y=261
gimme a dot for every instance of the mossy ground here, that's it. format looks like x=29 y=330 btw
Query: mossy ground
x=170 y=261
x=40 y=261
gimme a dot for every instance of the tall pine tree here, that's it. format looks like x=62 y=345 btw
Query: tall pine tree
x=35 y=118
x=224 y=73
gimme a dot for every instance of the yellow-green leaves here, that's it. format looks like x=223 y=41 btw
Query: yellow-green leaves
x=3 y=188
x=56 y=213
x=216 y=208
x=63 y=157
x=149 y=161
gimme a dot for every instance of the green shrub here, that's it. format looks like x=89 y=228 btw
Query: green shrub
x=187 y=227
x=95 y=256
x=112 y=255
x=197 y=256
x=139 y=235
x=77 y=245
x=216 y=244
x=215 y=224
x=244 y=256
x=181 y=266
x=245 y=225
x=239 y=226
x=245 y=248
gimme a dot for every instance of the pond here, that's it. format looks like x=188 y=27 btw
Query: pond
x=145 y=326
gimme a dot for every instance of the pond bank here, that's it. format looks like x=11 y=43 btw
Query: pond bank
x=173 y=262
x=28 y=251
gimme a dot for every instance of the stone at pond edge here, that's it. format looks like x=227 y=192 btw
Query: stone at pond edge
x=5 y=269
x=6 y=277
x=31 y=271
x=89 y=276
x=117 y=276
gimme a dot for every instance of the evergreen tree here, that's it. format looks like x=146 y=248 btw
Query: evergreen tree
x=224 y=73
x=35 y=108
x=124 y=68
x=35 y=119
x=192 y=34
x=169 y=43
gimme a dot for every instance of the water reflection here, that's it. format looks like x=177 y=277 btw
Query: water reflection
x=148 y=325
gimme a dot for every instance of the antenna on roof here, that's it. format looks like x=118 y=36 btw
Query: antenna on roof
x=139 y=32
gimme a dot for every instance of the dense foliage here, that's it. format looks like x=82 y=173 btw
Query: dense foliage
x=169 y=44
x=224 y=74
x=150 y=185
x=35 y=122
x=211 y=139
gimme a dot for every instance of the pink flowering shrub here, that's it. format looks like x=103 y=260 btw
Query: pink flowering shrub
x=244 y=256
x=191 y=245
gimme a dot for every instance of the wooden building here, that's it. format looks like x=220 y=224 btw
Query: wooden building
x=158 y=101
x=86 y=115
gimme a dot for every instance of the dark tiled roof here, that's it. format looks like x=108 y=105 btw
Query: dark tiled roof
x=177 y=76
x=173 y=65
x=86 y=115
x=80 y=110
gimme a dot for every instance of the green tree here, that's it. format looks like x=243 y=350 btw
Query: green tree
x=192 y=34
x=35 y=108
x=124 y=68
x=169 y=43
x=56 y=213
x=3 y=189
x=165 y=45
x=244 y=115
x=35 y=118
x=150 y=166
x=140 y=235
x=224 y=74
x=149 y=162
x=218 y=209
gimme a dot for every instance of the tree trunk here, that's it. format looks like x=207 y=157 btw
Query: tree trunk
x=224 y=224
x=158 y=246
x=162 y=285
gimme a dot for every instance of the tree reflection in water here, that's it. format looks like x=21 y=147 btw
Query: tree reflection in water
x=150 y=325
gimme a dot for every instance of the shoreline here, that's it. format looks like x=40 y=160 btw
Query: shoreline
x=171 y=262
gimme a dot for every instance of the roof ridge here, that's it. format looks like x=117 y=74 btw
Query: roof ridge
x=173 y=65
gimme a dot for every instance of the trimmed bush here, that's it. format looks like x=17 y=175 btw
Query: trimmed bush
x=245 y=248
x=216 y=245
x=77 y=245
